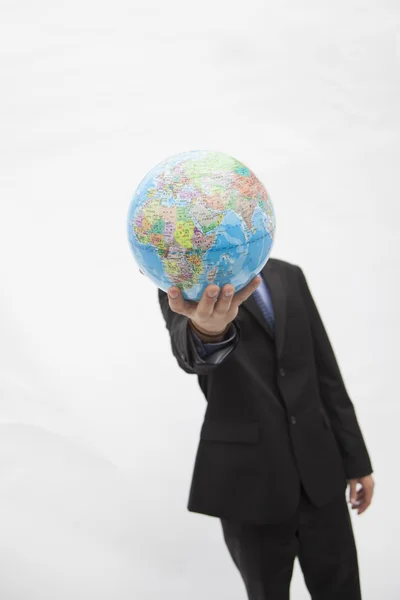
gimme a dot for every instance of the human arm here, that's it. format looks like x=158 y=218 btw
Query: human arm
x=334 y=396
x=340 y=410
x=211 y=318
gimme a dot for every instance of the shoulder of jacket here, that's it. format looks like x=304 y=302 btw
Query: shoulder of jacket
x=283 y=264
x=161 y=294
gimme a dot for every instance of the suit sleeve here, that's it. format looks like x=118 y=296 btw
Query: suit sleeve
x=206 y=349
x=183 y=344
x=336 y=401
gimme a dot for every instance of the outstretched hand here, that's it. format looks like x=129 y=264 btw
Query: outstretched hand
x=216 y=309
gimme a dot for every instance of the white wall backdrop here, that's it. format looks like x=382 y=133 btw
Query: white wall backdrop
x=98 y=426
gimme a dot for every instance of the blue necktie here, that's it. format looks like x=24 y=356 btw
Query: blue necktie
x=263 y=300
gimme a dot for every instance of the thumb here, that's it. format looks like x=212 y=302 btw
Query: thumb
x=353 y=491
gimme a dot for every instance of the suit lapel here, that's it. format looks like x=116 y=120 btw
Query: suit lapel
x=278 y=299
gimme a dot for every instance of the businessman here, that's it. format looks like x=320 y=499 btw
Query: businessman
x=280 y=440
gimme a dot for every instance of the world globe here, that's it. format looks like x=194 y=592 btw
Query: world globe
x=198 y=218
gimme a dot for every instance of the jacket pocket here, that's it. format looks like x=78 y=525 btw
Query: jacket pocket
x=244 y=433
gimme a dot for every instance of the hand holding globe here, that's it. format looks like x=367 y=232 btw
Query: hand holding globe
x=216 y=310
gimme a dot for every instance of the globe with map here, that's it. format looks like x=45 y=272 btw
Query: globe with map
x=199 y=218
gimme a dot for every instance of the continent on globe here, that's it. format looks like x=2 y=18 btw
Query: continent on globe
x=198 y=218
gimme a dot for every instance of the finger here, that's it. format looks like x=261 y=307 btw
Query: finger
x=366 y=501
x=207 y=302
x=246 y=292
x=354 y=503
x=360 y=499
x=178 y=304
x=224 y=301
x=353 y=492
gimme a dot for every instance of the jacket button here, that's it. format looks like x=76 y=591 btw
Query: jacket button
x=282 y=372
x=293 y=420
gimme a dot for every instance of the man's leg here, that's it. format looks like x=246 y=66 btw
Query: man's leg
x=264 y=555
x=327 y=551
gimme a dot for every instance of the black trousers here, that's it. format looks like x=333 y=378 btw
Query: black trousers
x=321 y=538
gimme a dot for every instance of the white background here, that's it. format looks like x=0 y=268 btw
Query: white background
x=98 y=426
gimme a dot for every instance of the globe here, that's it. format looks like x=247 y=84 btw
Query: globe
x=198 y=218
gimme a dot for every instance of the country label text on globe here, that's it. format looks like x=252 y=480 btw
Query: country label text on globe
x=199 y=218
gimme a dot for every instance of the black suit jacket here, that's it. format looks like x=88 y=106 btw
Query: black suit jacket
x=278 y=412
